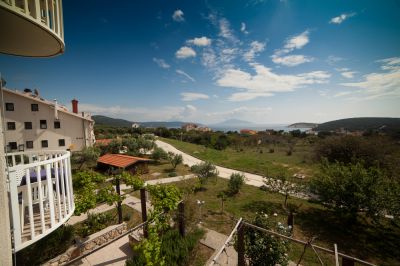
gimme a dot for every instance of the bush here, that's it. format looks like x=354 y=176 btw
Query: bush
x=174 y=248
x=94 y=223
x=159 y=154
x=264 y=249
x=175 y=159
x=172 y=174
x=47 y=248
x=271 y=150
x=236 y=181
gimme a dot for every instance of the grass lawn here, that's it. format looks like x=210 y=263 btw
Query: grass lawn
x=362 y=240
x=251 y=160
x=163 y=169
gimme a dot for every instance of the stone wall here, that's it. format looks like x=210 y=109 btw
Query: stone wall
x=94 y=241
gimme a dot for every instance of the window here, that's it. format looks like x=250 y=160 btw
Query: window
x=43 y=124
x=11 y=125
x=13 y=145
x=9 y=106
x=21 y=147
x=34 y=107
x=61 y=142
x=45 y=144
x=57 y=124
x=28 y=125
x=29 y=144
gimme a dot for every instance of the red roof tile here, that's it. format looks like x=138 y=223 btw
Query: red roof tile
x=120 y=160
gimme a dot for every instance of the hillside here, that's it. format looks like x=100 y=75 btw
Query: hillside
x=108 y=121
x=384 y=124
x=116 y=122
x=233 y=123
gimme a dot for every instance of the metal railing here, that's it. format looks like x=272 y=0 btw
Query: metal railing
x=40 y=188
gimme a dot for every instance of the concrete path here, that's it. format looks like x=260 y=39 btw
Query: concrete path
x=216 y=240
x=251 y=179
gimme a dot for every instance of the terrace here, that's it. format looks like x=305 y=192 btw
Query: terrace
x=40 y=194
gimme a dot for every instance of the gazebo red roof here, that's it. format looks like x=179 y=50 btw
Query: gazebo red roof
x=120 y=160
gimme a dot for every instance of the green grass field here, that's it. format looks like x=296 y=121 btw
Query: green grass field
x=163 y=169
x=363 y=240
x=252 y=160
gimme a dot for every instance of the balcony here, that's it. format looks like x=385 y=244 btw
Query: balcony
x=31 y=27
x=40 y=193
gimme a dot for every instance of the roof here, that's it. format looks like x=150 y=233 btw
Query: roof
x=103 y=142
x=120 y=160
x=39 y=99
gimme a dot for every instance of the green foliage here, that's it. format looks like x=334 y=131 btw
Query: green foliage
x=351 y=188
x=164 y=197
x=46 y=248
x=159 y=154
x=134 y=181
x=236 y=181
x=94 y=223
x=175 y=159
x=172 y=174
x=174 y=248
x=204 y=171
x=87 y=157
x=264 y=249
x=108 y=195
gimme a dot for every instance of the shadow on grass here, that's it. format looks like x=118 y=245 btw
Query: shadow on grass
x=263 y=206
x=362 y=239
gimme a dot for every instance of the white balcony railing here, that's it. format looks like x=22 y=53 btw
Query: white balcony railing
x=41 y=194
x=45 y=14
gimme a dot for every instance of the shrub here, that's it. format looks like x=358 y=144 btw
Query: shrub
x=172 y=174
x=236 y=181
x=47 y=248
x=204 y=171
x=271 y=150
x=175 y=159
x=159 y=154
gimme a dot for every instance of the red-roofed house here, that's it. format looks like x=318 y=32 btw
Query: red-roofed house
x=121 y=161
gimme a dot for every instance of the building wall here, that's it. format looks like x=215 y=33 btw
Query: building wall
x=76 y=132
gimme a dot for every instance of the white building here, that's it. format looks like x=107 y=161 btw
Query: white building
x=33 y=123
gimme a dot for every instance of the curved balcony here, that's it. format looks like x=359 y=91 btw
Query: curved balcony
x=41 y=194
x=31 y=27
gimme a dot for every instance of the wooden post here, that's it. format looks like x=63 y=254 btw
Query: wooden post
x=241 y=260
x=347 y=262
x=119 y=203
x=290 y=220
x=181 y=218
x=144 y=211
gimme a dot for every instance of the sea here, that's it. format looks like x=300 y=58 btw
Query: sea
x=276 y=127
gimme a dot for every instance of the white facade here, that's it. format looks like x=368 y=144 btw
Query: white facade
x=33 y=123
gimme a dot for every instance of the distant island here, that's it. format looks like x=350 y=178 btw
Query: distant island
x=303 y=125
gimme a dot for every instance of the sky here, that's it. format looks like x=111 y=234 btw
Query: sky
x=263 y=61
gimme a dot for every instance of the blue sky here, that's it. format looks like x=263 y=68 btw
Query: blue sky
x=265 y=61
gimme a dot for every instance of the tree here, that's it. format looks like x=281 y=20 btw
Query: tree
x=236 y=181
x=175 y=159
x=222 y=195
x=350 y=188
x=88 y=156
x=159 y=154
x=204 y=171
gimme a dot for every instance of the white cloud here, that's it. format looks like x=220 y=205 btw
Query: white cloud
x=256 y=47
x=225 y=30
x=381 y=84
x=193 y=96
x=332 y=60
x=185 y=52
x=161 y=63
x=181 y=72
x=342 y=93
x=243 y=28
x=178 y=15
x=243 y=112
x=291 y=60
x=202 y=41
x=339 y=19
x=348 y=74
x=293 y=43
x=266 y=83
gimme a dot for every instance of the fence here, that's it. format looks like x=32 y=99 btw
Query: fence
x=241 y=226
